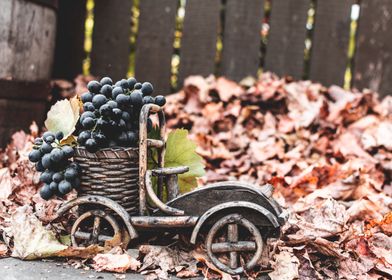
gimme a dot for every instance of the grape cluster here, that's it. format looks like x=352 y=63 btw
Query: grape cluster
x=111 y=113
x=59 y=173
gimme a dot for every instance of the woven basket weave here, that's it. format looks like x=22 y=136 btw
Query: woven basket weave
x=112 y=173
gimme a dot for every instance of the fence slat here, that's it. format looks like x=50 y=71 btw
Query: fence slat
x=154 y=45
x=111 y=46
x=373 y=58
x=330 y=42
x=198 y=44
x=286 y=39
x=242 y=38
x=69 y=52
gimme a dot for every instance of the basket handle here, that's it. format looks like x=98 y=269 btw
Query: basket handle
x=144 y=143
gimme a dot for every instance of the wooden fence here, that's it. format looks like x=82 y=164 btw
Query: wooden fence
x=236 y=24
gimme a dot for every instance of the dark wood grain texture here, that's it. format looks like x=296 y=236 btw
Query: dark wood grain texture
x=198 y=44
x=111 y=38
x=241 y=38
x=329 y=55
x=69 y=52
x=286 y=39
x=27 y=39
x=373 y=58
x=154 y=45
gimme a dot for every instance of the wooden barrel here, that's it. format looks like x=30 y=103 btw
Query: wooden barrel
x=27 y=41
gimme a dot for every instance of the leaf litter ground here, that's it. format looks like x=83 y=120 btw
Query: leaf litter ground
x=326 y=151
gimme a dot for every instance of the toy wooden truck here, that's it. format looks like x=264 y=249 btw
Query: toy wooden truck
x=117 y=202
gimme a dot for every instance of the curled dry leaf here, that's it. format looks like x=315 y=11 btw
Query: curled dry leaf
x=31 y=239
x=63 y=116
x=119 y=263
x=285 y=266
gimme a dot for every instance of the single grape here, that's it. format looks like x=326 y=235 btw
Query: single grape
x=46 y=148
x=94 y=87
x=101 y=123
x=57 y=177
x=87 y=97
x=122 y=100
x=59 y=135
x=46 y=161
x=49 y=137
x=106 y=81
x=57 y=155
x=160 y=100
x=35 y=156
x=39 y=167
x=105 y=110
x=88 y=106
x=132 y=137
x=45 y=192
x=123 y=138
x=112 y=104
x=64 y=187
x=70 y=174
x=91 y=145
x=38 y=141
x=101 y=140
x=148 y=100
x=106 y=90
x=147 y=88
x=88 y=123
x=87 y=114
x=116 y=91
x=126 y=116
x=117 y=113
x=99 y=100
x=131 y=82
x=138 y=86
x=75 y=166
x=46 y=177
x=124 y=84
x=137 y=98
x=117 y=84
x=68 y=151
x=83 y=136
x=53 y=187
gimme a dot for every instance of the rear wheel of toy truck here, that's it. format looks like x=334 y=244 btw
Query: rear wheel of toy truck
x=234 y=244
x=96 y=227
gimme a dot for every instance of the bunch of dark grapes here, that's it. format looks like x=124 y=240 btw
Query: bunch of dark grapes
x=111 y=113
x=59 y=174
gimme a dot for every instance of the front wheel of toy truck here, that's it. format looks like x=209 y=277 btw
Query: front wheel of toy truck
x=234 y=244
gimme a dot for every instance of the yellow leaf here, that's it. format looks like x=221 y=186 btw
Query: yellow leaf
x=63 y=116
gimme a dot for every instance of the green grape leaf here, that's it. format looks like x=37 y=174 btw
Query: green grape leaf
x=181 y=151
x=63 y=116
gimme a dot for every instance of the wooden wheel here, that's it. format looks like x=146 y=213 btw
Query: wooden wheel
x=227 y=251
x=95 y=227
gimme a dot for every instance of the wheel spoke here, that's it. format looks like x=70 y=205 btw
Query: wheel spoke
x=240 y=246
x=82 y=235
x=95 y=233
x=232 y=236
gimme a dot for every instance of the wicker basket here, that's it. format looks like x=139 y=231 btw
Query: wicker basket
x=112 y=173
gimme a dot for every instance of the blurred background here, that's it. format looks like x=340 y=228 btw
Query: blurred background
x=45 y=43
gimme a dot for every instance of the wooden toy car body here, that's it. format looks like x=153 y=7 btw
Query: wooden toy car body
x=236 y=216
